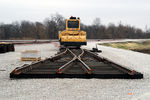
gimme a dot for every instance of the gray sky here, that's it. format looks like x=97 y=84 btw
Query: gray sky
x=133 y=12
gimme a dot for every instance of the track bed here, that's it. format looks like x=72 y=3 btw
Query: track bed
x=75 y=63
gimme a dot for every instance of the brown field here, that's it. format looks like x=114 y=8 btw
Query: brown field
x=143 y=47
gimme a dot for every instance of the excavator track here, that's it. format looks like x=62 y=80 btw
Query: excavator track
x=75 y=63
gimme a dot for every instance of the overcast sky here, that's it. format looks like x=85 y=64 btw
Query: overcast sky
x=133 y=12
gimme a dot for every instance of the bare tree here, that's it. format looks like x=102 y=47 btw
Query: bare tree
x=50 y=27
x=97 y=22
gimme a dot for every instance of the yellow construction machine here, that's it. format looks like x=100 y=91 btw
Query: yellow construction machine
x=72 y=36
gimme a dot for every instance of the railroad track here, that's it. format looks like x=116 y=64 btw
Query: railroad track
x=75 y=63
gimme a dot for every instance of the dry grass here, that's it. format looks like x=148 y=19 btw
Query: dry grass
x=130 y=45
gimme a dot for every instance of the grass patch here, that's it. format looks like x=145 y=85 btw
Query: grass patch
x=136 y=46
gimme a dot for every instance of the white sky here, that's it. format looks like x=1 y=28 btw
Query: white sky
x=133 y=12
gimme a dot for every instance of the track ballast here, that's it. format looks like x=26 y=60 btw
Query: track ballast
x=75 y=63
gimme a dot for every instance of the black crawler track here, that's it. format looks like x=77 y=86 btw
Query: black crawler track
x=75 y=63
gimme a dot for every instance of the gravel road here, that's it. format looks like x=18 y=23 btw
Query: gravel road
x=75 y=89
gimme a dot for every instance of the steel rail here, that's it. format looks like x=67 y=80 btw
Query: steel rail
x=27 y=67
x=75 y=63
x=117 y=66
x=62 y=68
x=59 y=55
x=74 y=55
x=65 y=66
x=84 y=64
x=80 y=55
x=88 y=69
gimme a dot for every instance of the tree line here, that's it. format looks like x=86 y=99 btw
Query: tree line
x=50 y=27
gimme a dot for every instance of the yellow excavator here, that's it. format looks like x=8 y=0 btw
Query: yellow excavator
x=72 y=36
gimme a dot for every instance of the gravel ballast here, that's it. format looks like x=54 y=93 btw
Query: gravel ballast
x=75 y=89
